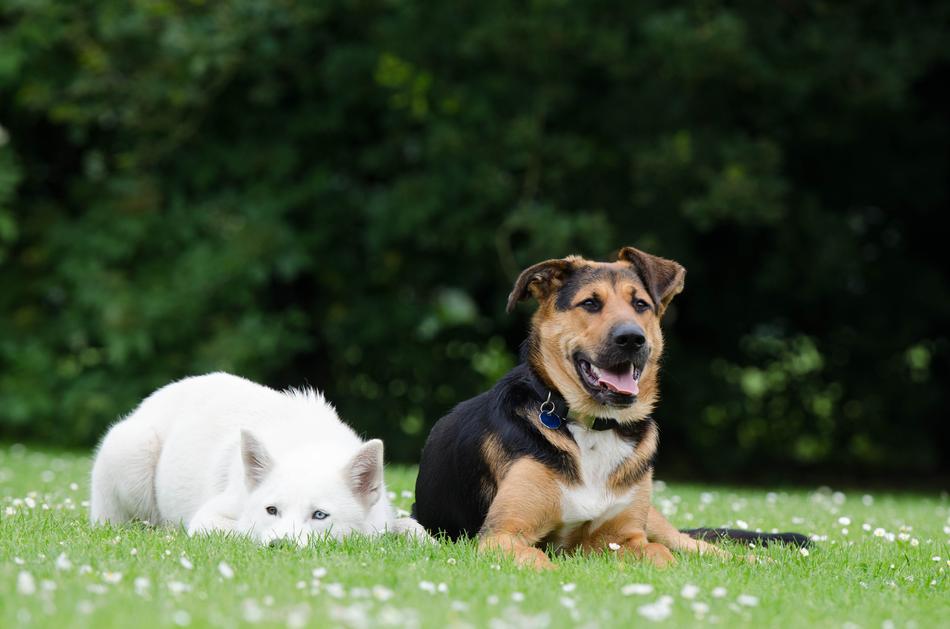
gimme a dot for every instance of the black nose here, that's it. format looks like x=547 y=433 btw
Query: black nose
x=628 y=336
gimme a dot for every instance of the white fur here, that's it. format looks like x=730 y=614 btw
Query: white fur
x=592 y=500
x=181 y=458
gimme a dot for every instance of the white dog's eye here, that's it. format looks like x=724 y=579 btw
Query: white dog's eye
x=320 y=515
x=271 y=510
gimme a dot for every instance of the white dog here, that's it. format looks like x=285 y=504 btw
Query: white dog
x=218 y=452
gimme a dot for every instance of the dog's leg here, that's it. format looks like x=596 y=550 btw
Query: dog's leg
x=626 y=533
x=525 y=509
x=123 y=475
x=218 y=514
x=661 y=531
x=410 y=528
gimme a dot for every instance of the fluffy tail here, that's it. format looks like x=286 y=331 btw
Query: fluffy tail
x=739 y=535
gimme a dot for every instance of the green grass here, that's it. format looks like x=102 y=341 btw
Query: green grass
x=55 y=569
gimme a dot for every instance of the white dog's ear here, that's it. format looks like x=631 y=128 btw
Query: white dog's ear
x=257 y=462
x=364 y=472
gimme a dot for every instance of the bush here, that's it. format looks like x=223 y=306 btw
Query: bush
x=340 y=194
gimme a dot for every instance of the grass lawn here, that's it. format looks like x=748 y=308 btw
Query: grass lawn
x=881 y=561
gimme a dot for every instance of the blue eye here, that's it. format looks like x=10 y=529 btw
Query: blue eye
x=320 y=515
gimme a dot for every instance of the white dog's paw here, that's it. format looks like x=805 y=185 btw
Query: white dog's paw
x=410 y=528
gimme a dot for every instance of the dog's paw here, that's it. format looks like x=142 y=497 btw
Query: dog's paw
x=412 y=529
x=658 y=554
x=534 y=558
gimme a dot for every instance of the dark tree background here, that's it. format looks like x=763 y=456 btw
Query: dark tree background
x=340 y=193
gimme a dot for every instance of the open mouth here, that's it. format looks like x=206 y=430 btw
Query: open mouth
x=617 y=381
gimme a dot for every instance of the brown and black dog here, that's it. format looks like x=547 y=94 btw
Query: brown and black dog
x=559 y=453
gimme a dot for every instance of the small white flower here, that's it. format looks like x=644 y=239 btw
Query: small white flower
x=10 y=511
x=186 y=563
x=700 y=608
x=459 y=606
x=492 y=599
x=181 y=618
x=865 y=527
x=73 y=487
x=569 y=587
x=29 y=502
x=844 y=520
x=177 y=587
x=85 y=569
x=112 y=577
x=63 y=563
x=568 y=602
x=719 y=592
x=879 y=532
x=442 y=587
x=47 y=586
x=251 y=611
x=451 y=561
x=936 y=558
x=517 y=597
x=803 y=552
x=134 y=552
x=226 y=571
x=689 y=591
x=427 y=586
x=142 y=584
x=914 y=542
x=406 y=493
x=96 y=588
x=613 y=546
x=382 y=593
x=336 y=590
x=640 y=589
x=319 y=573
x=867 y=500
x=748 y=600
x=655 y=611
x=25 y=584
x=742 y=524
x=18 y=561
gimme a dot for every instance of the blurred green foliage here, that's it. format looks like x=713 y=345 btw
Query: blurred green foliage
x=340 y=193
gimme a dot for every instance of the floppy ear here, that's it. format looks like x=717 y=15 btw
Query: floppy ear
x=539 y=280
x=663 y=278
x=257 y=462
x=364 y=472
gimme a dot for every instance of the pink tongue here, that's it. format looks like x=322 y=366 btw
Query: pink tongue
x=619 y=382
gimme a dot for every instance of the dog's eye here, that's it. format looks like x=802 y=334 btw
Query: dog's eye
x=591 y=304
x=271 y=510
x=640 y=306
x=320 y=515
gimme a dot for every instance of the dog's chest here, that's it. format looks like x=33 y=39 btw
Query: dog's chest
x=592 y=499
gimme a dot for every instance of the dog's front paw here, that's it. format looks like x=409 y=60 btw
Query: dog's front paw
x=658 y=554
x=534 y=558
x=411 y=528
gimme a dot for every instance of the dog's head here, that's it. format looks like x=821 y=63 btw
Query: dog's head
x=596 y=333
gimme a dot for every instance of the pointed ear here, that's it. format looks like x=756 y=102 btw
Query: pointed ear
x=257 y=462
x=539 y=280
x=364 y=472
x=663 y=278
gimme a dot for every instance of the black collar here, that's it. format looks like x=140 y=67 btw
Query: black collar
x=550 y=397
